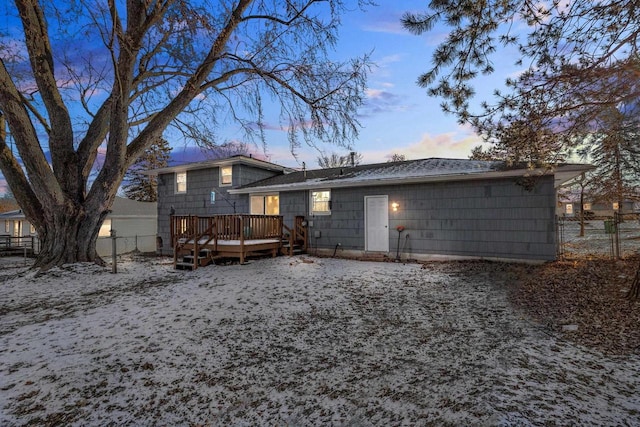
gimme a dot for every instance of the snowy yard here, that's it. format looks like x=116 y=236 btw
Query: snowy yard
x=292 y=341
x=596 y=241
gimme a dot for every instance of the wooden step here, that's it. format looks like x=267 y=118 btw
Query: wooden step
x=184 y=266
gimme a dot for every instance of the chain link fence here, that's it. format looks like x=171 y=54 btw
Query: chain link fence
x=615 y=237
x=125 y=244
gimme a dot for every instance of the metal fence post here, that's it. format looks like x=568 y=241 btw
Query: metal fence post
x=114 y=264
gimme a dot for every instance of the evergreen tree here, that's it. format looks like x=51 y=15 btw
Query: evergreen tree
x=141 y=187
x=521 y=142
x=615 y=152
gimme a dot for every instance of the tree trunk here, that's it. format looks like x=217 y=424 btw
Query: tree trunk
x=70 y=236
x=634 y=291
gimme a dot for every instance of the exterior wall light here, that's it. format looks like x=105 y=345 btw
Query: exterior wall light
x=395 y=206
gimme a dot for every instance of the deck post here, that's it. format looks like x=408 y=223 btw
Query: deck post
x=241 y=239
x=195 y=237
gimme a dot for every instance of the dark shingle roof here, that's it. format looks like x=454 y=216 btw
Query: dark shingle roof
x=410 y=171
x=390 y=170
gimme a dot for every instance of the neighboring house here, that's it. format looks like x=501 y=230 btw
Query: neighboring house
x=569 y=207
x=16 y=231
x=446 y=208
x=135 y=224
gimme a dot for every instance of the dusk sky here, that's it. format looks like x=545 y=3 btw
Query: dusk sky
x=398 y=117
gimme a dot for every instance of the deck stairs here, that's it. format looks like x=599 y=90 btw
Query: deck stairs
x=290 y=250
x=205 y=257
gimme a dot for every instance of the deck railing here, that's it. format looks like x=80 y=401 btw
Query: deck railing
x=300 y=228
x=19 y=245
x=225 y=227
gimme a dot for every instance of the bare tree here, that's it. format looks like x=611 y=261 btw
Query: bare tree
x=138 y=67
x=395 y=157
x=335 y=160
x=8 y=203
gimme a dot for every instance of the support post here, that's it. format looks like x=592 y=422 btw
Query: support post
x=114 y=264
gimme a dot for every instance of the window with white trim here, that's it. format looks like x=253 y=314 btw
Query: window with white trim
x=264 y=204
x=181 y=182
x=7 y=226
x=569 y=209
x=226 y=175
x=321 y=202
x=586 y=207
x=32 y=229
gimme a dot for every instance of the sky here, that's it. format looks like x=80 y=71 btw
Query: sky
x=398 y=116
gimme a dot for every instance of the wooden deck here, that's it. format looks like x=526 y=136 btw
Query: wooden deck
x=25 y=245
x=197 y=241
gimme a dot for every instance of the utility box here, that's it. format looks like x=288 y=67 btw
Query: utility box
x=609 y=226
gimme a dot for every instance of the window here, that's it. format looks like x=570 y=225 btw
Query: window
x=569 y=209
x=7 y=226
x=265 y=204
x=226 y=175
x=321 y=202
x=586 y=207
x=32 y=229
x=181 y=182
x=212 y=198
x=615 y=206
x=105 y=229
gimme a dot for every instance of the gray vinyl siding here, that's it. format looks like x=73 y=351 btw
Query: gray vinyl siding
x=484 y=218
x=197 y=199
x=490 y=219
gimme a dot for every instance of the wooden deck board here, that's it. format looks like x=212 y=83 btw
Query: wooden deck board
x=234 y=248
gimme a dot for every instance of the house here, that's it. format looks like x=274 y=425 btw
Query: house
x=569 y=207
x=135 y=224
x=422 y=209
x=16 y=233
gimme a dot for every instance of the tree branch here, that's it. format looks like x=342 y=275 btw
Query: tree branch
x=40 y=55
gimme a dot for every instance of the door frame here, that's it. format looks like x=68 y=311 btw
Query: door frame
x=366 y=220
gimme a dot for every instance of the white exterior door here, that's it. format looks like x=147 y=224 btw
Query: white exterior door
x=376 y=223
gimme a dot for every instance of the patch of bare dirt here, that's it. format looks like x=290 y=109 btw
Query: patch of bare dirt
x=583 y=300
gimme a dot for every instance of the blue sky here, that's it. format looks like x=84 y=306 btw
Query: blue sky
x=398 y=116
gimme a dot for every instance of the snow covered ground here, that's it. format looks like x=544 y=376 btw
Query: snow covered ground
x=596 y=242
x=292 y=341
